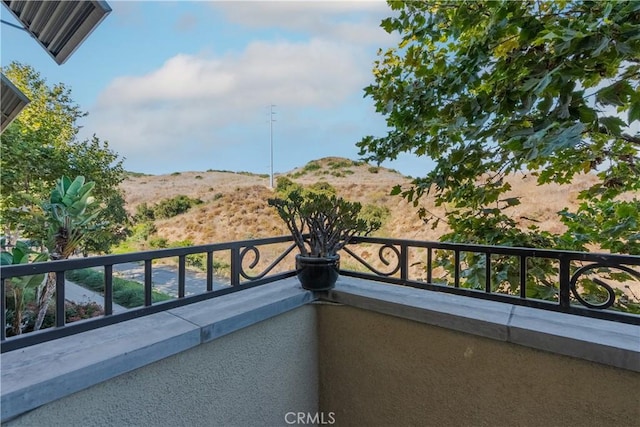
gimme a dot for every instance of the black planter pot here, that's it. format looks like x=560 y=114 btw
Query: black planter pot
x=317 y=274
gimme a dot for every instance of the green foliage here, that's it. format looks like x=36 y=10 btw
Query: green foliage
x=284 y=186
x=167 y=208
x=491 y=88
x=67 y=216
x=375 y=213
x=330 y=221
x=322 y=187
x=21 y=286
x=311 y=166
x=136 y=174
x=68 y=219
x=374 y=169
x=40 y=146
x=111 y=224
x=127 y=293
x=142 y=230
x=144 y=213
x=341 y=164
x=174 y=206
x=342 y=173
x=159 y=243
x=73 y=312
x=615 y=224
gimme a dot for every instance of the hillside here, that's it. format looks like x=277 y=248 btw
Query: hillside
x=235 y=204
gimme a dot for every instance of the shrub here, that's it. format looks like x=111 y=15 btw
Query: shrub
x=322 y=187
x=143 y=213
x=311 y=166
x=198 y=261
x=159 y=243
x=375 y=213
x=374 y=169
x=284 y=185
x=339 y=164
x=143 y=230
x=169 y=208
x=73 y=312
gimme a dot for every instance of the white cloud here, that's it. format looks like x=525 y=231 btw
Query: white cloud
x=182 y=77
x=190 y=99
x=319 y=73
x=207 y=105
x=349 y=21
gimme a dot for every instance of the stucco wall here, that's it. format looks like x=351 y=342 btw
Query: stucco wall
x=252 y=377
x=379 y=370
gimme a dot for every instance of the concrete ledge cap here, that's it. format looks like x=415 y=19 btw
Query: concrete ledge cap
x=45 y=372
x=610 y=343
x=479 y=317
x=245 y=309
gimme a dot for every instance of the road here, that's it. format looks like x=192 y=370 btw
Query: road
x=165 y=278
x=78 y=294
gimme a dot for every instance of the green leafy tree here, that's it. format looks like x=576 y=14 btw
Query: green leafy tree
x=69 y=219
x=494 y=89
x=39 y=146
x=488 y=89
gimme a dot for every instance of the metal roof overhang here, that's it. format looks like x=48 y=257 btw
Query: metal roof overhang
x=12 y=101
x=59 y=26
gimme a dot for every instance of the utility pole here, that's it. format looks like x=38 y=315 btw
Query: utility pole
x=271 y=120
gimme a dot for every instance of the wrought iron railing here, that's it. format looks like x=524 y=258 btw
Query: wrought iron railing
x=244 y=258
x=397 y=258
x=418 y=264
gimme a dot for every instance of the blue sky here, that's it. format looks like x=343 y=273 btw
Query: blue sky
x=178 y=86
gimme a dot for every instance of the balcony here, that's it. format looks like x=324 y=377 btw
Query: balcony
x=388 y=346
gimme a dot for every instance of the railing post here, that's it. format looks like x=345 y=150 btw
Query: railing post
x=148 y=283
x=60 y=312
x=209 y=271
x=487 y=272
x=235 y=266
x=108 y=290
x=182 y=259
x=430 y=265
x=523 y=276
x=456 y=262
x=565 y=278
x=404 y=261
x=3 y=305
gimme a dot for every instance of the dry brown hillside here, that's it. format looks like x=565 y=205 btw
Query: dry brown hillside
x=235 y=204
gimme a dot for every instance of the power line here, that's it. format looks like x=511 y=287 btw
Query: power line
x=271 y=120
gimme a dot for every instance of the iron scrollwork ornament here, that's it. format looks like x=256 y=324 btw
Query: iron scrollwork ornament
x=382 y=257
x=611 y=295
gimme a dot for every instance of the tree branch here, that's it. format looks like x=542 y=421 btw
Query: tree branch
x=629 y=138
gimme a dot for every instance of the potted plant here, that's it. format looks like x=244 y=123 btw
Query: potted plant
x=321 y=224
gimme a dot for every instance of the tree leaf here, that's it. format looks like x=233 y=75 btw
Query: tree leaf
x=612 y=124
